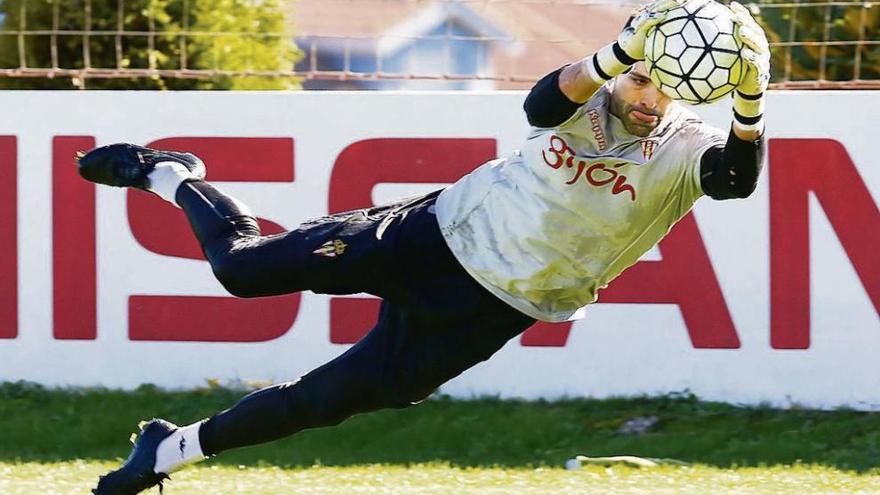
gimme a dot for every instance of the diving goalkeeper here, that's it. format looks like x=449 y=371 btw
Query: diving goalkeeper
x=610 y=165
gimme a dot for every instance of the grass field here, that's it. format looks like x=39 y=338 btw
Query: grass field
x=77 y=477
x=58 y=441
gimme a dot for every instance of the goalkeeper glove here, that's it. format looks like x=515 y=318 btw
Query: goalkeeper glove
x=629 y=48
x=748 y=99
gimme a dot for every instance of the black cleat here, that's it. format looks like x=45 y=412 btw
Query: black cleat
x=136 y=474
x=127 y=165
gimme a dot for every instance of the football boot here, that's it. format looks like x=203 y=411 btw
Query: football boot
x=128 y=165
x=136 y=474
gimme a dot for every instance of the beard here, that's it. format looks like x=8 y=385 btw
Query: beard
x=638 y=126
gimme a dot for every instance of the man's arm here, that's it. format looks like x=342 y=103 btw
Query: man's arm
x=557 y=96
x=732 y=171
x=547 y=105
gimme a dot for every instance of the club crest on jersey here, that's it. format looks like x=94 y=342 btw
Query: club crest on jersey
x=331 y=249
x=598 y=172
x=596 y=127
x=648 y=146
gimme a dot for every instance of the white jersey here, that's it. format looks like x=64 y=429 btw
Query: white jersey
x=548 y=226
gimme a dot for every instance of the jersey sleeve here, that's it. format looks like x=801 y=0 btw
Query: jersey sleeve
x=569 y=124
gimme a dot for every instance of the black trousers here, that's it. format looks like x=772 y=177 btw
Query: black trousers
x=434 y=323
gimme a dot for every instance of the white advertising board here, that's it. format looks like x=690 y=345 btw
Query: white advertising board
x=773 y=299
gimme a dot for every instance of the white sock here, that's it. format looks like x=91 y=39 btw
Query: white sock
x=166 y=177
x=180 y=449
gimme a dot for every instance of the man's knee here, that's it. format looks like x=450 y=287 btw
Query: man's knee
x=405 y=389
x=330 y=402
x=321 y=403
x=234 y=273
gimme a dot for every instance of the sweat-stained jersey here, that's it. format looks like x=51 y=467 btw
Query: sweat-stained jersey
x=548 y=226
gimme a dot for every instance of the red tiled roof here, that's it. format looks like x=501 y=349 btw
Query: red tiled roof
x=549 y=34
x=351 y=18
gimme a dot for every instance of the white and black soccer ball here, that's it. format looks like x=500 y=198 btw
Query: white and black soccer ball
x=693 y=54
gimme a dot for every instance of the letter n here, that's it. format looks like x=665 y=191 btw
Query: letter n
x=822 y=167
x=683 y=277
x=9 y=238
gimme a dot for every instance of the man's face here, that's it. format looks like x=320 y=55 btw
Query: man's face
x=637 y=102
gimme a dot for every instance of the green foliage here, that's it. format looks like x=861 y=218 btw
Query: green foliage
x=222 y=35
x=807 y=23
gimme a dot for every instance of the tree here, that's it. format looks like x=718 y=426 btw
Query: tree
x=845 y=24
x=220 y=35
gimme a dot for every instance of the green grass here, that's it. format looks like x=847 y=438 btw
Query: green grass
x=58 y=441
x=77 y=477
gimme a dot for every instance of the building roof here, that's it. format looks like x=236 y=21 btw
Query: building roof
x=530 y=37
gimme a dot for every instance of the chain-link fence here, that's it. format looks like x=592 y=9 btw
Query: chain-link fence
x=381 y=44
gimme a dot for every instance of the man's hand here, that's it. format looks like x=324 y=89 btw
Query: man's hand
x=628 y=49
x=748 y=99
x=755 y=52
x=580 y=81
x=632 y=38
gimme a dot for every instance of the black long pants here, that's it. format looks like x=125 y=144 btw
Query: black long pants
x=435 y=321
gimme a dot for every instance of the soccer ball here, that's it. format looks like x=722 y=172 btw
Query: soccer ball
x=693 y=54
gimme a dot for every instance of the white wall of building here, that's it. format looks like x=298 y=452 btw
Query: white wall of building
x=618 y=350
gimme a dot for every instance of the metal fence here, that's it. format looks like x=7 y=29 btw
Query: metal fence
x=398 y=43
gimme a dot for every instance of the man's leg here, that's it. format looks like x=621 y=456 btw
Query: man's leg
x=337 y=254
x=365 y=378
x=399 y=363
x=245 y=262
x=360 y=380
x=249 y=264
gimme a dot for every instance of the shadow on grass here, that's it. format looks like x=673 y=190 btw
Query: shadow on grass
x=43 y=425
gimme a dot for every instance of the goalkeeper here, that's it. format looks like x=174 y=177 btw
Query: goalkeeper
x=610 y=166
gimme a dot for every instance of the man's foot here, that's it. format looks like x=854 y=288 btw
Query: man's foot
x=137 y=474
x=127 y=165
